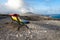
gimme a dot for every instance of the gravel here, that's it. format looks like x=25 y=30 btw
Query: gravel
x=39 y=30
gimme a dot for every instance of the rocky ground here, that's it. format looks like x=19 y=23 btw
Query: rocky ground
x=39 y=30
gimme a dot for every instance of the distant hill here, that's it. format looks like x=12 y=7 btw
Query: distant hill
x=34 y=17
x=27 y=14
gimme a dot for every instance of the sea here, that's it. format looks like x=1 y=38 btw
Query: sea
x=55 y=16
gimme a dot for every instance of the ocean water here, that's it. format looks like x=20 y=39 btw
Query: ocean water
x=55 y=16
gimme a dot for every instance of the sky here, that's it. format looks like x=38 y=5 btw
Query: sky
x=35 y=6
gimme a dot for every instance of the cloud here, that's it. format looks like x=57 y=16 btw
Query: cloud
x=22 y=6
x=19 y=5
x=14 y=4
